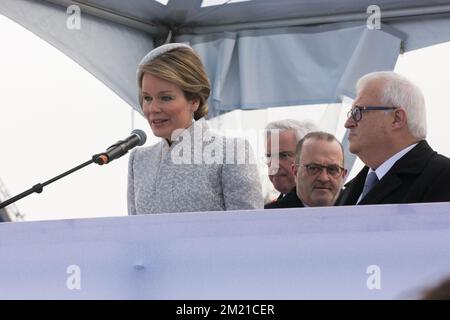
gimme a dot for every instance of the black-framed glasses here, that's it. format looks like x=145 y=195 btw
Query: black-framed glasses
x=357 y=111
x=333 y=170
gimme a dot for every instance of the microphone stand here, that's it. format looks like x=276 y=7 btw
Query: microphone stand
x=40 y=186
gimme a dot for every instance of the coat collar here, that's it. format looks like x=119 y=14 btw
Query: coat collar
x=412 y=163
x=197 y=126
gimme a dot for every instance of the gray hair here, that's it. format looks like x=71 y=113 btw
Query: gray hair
x=300 y=128
x=400 y=92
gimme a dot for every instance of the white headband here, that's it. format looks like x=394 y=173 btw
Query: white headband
x=157 y=52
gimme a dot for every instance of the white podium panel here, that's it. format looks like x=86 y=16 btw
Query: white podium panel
x=361 y=252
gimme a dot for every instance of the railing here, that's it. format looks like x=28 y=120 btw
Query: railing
x=359 y=252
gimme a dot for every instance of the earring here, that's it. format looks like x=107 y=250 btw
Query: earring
x=196 y=109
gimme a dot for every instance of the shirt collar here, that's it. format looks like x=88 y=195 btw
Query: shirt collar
x=387 y=165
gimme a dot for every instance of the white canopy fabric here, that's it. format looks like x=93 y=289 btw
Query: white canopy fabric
x=291 y=66
x=259 y=54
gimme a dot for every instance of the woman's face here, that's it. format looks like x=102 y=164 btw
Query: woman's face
x=165 y=106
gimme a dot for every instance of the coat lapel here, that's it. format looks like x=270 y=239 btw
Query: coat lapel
x=382 y=189
x=412 y=163
x=353 y=189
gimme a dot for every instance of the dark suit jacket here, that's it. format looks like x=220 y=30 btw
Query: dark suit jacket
x=421 y=175
x=274 y=202
x=290 y=200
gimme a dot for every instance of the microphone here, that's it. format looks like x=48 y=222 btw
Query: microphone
x=137 y=138
x=121 y=147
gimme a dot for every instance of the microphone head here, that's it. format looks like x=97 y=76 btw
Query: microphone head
x=141 y=135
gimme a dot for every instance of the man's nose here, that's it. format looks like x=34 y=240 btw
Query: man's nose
x=349 y=123
x=323 y=175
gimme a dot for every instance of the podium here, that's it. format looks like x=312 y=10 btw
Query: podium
x=358 y=252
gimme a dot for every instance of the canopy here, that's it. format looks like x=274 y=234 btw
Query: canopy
x=259 y=53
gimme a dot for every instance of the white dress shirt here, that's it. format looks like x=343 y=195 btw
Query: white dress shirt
x=387 y=165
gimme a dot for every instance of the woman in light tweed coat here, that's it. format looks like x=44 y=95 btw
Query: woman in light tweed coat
x=191 y=168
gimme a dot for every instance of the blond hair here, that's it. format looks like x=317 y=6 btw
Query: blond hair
x=183 y=67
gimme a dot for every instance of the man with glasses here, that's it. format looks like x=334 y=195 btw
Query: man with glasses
x=387 y=131
x=319 y=172
x=281 y=138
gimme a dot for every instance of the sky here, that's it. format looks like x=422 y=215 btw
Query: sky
x=54 y=115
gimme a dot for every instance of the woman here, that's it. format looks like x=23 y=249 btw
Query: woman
x=190 y=169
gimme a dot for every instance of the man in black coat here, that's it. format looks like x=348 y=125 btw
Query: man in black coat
x=281 y=140
x=318 y=171
x=387 y=126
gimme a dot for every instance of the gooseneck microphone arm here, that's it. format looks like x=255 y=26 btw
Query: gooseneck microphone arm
x=117 y=150
x=40 y=186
